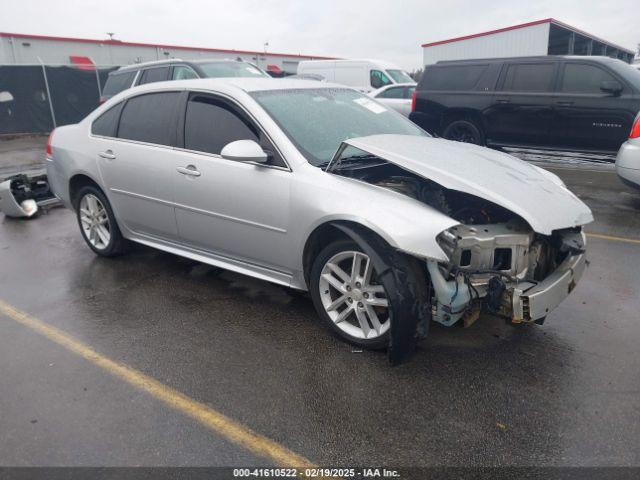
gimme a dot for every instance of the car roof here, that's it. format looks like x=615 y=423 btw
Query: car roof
x=242 y=83
x=138 y=66
x=541 y=58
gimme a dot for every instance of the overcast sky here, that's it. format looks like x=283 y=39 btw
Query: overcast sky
x=384 y=29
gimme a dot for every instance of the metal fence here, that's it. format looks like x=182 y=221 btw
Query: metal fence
x=39 y=98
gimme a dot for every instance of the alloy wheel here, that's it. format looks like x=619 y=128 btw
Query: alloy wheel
x=95 y=221
x=351 y=296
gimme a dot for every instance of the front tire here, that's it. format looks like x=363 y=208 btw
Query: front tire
x=98 y=223
x=349 y=296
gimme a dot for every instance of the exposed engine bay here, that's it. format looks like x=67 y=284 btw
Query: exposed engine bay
x=495 y=256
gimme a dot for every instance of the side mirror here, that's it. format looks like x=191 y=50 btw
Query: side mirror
x=244 y=151
x=611 y=86
x=6 y=96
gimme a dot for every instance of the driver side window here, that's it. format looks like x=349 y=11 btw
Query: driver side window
x=211 y=123
x=379 y=79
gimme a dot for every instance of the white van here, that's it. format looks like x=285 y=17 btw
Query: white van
x=364 y=75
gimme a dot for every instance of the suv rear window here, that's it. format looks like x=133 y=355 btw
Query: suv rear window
x=117 y=82
x=453 y=77
x=152 y=75
x=528 y=77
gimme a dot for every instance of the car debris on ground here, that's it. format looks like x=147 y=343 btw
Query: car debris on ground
x=23 y=195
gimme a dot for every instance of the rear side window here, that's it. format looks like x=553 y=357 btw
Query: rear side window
x=583 y=78
x=528 y=77
x=107 y=123
x=117 y=82
x=154 y=75
x=210 y=124
x=452 y=78
x=150 y=118
x=393 y=92
x=183 y=72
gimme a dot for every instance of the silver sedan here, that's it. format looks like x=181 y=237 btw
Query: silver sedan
x=628 y=159
x=396 y=96
x=317 y=187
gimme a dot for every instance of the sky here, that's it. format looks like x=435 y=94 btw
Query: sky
x=390 y=30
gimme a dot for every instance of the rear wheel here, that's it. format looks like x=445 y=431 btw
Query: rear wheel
x=465 y=131
x=97 y=222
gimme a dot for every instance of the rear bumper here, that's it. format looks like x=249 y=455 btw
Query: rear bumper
x=628 y=163
x=537 y=301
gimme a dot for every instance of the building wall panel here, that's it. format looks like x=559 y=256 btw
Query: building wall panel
x=527 y=41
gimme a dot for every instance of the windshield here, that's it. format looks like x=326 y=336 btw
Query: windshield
x=318 y=120
x=231 y=69
x=400 y=76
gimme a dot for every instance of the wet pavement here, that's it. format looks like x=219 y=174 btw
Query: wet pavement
x=566 y=393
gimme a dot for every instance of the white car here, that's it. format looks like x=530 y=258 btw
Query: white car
x=396 y=96
x=628 y=159
x=363 y=75
x=318 y=187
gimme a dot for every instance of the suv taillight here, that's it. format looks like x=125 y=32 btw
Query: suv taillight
x=49 y=149
x=635 y=130
x=413 y=100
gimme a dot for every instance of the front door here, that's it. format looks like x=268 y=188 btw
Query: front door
x=589 y=118
x=236 y=210
x=137 y=167
x=522 y=111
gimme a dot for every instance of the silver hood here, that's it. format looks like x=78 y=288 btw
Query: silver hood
x=538 y=196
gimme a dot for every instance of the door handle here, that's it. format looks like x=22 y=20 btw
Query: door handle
x=503 y=100
x=189 y=170
x=108 y=154
x=564 y=104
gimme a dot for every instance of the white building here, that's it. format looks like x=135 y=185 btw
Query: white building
x=24 y=49
x=542 y=37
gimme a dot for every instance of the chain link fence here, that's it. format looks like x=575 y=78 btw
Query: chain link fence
x=38 y=98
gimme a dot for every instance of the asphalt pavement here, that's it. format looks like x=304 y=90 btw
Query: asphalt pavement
x=253 y=356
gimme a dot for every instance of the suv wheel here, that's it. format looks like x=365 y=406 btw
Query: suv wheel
x=97 y=223
x=464 y=131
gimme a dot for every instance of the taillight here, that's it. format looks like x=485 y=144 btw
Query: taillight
x=102 y=100
x=413 y=101
x=635 y=130
x=49 y=150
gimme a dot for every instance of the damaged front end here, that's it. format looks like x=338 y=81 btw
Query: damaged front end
x=21 y=195
x=505 y=269
x=518 y=249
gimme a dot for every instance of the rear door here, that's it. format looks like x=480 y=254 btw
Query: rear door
x=522 y=107
x=138 y=168
x=587 y=117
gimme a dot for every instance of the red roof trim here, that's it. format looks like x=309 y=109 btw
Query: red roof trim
x=524 y=25
x=156 y=45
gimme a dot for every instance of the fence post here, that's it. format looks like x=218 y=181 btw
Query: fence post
x=46 y=84
x=95 y=68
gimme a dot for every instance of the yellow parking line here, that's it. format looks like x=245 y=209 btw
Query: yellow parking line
x=611 y=237
x=207 y=416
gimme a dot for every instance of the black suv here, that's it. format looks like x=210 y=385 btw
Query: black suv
x=583 y=104
x=175 y=69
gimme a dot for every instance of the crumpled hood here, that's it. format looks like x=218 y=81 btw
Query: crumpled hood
x=536 y=195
